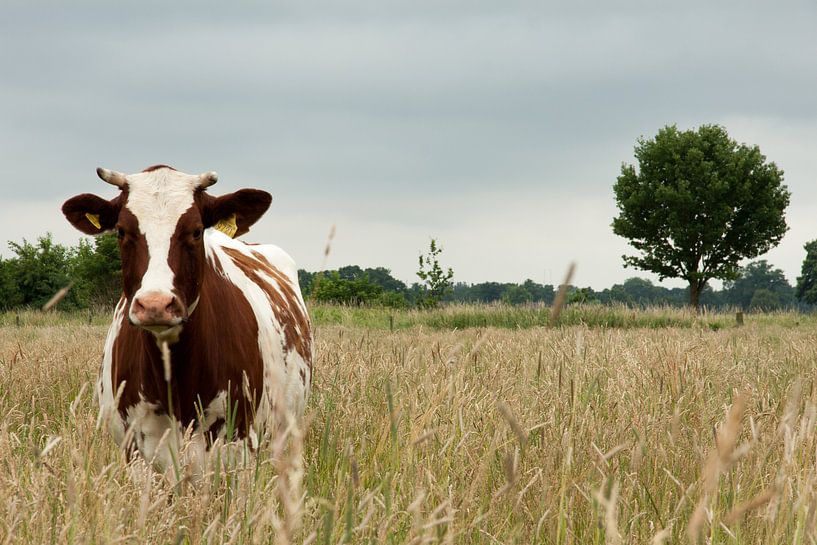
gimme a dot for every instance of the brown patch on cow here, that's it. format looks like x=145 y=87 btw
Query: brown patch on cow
x=288 y=311
x=186 y=256
x=263 y=259
x=133 y=249
x=157 y=167
x=215 y=264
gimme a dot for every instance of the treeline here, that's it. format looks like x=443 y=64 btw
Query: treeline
x=36 y=271
x=352 y=285
x=759 y=286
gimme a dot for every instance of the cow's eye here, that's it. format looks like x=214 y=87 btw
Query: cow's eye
x=120 y=232
x=197 y=234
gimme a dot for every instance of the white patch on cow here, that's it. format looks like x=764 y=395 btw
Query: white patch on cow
x=154 y=434
x=215 y=410
x=158 y=199
x=108 y=409
x=166 y=446
x=283 y=387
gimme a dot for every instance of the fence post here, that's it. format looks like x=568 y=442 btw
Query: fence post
x=739 y=318
x=391 y=323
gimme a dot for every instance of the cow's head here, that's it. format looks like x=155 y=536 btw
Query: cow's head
x=160 y=216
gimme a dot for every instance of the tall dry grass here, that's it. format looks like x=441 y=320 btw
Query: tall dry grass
x=564 y=435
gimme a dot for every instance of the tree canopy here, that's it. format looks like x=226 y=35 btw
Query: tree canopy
x=759 y=286
x=698 y=204
x=807 y=281
x=37 y=272
x=436 y=281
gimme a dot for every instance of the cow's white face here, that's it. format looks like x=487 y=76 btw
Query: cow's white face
x=160 y=216
x=158 y=199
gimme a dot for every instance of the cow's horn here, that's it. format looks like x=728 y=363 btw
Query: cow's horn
x=207 y=179
x=112 y=177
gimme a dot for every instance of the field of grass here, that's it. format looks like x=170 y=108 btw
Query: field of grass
x=513 y=317
x=463 y=425
x=471 y=316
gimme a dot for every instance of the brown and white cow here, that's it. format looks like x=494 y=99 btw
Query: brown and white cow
x=231 y=315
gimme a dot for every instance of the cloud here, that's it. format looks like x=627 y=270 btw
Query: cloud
x=477 y=122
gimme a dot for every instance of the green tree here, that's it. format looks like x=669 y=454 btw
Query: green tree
x=332 y=288
x=487 y=292
x=305 y=279
x=392 y=299
x=436 y=281
x=807 y=281
x=10 y=296
x=754 y=277
x=96 y=271
x=462 y=292
x=379 y=276
x=765 y=300
x=617 y=294
x=641 y=290
x=383 y=278
x=39 y=271
x=698 y=204
x=634 y=292
x=516 y=295
x=538 y=292
x=350 y=272
x=581 y=296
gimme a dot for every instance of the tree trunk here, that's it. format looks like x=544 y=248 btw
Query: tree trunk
x=695 y=289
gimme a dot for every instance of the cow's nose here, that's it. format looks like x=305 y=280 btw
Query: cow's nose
x=156 y=309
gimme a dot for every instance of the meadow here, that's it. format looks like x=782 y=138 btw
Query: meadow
x=461 y=425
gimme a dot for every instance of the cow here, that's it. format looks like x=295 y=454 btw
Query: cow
x=211 y=340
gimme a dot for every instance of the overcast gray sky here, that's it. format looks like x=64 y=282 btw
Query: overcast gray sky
x=498 y=127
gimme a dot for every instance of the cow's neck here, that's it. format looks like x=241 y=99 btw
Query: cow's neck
x=191 y=378
x=184 y=376
x=153 y=373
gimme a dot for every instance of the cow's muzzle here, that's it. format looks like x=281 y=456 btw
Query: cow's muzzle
x=157 y=310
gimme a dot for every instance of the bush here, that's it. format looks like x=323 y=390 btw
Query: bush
x=36 y=273
x=516 y=295
x=97 y=272
x=331 y=288
x=392 y=299
x=764 y=300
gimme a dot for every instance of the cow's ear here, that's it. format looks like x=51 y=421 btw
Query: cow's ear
x=235 y=213
x=91 y=214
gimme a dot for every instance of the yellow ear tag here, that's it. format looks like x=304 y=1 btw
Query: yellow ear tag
x=94 y=219
x=227 y=226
